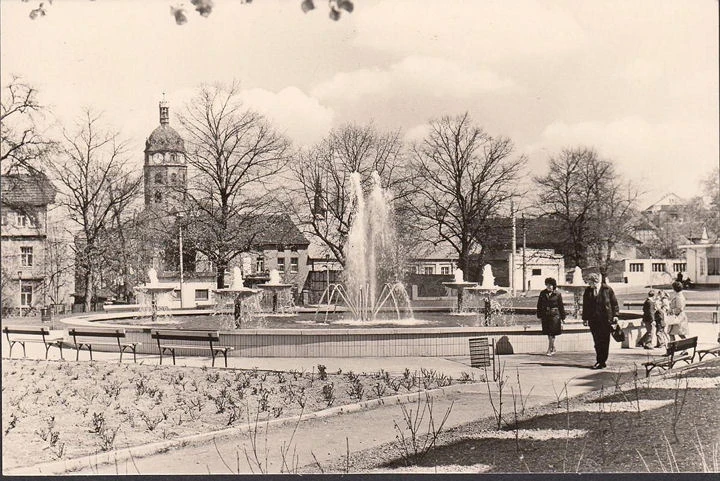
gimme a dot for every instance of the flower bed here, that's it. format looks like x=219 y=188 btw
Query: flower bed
x=62 y=410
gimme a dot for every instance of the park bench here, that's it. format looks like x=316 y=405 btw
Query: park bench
x=676 y=351
x=183 y=339
x=87 y=337
x=22 y=334
x=715 y=351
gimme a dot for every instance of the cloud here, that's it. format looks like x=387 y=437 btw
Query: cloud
x=427 y=76
x=299 y=116
x=490 y=30
x=657 y=157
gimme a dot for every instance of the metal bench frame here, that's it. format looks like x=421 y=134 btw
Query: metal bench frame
x=674 y=354
x=42 y=331
x=211 y=337
x=84 y=343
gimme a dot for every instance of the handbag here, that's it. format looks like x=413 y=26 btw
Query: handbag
x=618 y=334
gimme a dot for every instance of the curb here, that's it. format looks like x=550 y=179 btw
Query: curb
x=99 y=459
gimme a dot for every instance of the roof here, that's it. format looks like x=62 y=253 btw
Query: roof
x=278 y=229
x=540 y=232
x=27 y=190
x=425 y=250
x=163 y=139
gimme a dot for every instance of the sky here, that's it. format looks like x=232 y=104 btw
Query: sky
x=636 y=80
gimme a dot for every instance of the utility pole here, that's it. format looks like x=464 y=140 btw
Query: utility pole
x=511 y=270
x=524 y=262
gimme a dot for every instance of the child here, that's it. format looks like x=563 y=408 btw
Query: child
x=649 y=308
x=662 y=304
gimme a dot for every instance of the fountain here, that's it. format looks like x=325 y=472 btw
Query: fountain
x=275 y=287
x=371 y=265
x=487 y=289
x=236 y=295
x=576 y=287
x=154 y=289
x=459 y=284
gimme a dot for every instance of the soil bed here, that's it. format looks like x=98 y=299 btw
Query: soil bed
x=62 y=410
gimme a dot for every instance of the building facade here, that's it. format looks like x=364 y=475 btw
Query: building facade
x=28 y=264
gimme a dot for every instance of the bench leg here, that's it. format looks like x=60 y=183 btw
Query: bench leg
x=134 y=355
x=173 y=355
x=121 y=353
x=77 y=352
x=61 y=351
x=90 y=349
x=161 y=351
x=213 y=358
x=225 y=356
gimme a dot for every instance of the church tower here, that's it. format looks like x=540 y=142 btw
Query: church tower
x=165 y=168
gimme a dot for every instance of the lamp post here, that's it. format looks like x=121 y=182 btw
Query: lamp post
x=20 y=287
x=180 y=217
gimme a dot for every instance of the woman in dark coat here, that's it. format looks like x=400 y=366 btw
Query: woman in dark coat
x=551 y=312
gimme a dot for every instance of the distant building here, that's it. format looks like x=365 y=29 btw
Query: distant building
x=28 y=263
x=647 y=272
x=531 y=268
x=703 y=262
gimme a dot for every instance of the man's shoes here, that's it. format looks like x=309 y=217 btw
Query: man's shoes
x=550 y=353
x=598 y=366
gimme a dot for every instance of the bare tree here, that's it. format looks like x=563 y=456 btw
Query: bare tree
x=566 y=193
x=613 y=216
x=23 y=147
x=233 y=156
x=463 y=177
x=596 y=209
x=321 y=197
x=94 y=179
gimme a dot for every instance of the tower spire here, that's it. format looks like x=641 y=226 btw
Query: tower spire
x=164 y=111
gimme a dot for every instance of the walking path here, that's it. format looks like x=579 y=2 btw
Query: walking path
x=326 y=438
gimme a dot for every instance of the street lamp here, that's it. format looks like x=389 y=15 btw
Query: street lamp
x=180 y=217
x=20 y=286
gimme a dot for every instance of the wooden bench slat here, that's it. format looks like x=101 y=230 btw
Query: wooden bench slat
x=210 y=337
x=86 y=338
x=676 y=352
x=41 y=331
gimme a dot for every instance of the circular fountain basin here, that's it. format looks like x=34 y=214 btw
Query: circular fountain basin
x=322 y=341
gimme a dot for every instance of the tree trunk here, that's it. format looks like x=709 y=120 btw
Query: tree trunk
x=87 y=301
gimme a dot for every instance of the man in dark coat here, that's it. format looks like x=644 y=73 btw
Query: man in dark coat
x=600 y=311
x=648 y=340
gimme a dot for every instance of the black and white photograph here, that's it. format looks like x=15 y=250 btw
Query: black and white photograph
x=353 y=238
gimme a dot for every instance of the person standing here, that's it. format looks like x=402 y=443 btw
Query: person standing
x=600 y=311
x=678 y=321
x=662 y=306
x=551 y=312
x=648 y=340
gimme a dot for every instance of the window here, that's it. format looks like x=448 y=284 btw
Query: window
x=702 y=267
x=537 y=272
x=713 y=266
x=445 y=270
x=260 y=264
x=158 y=178
x=22 y=220
x=658 y=267
x=637 y=267
x=26 y=295
x=4 y=219
x=430 y=270
x=26 y=256
x=293 y=264
x=281 y=264
x=158 y=197
x=173 y=157
x=679 y=266
x=173 y=178
x=202 y=294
